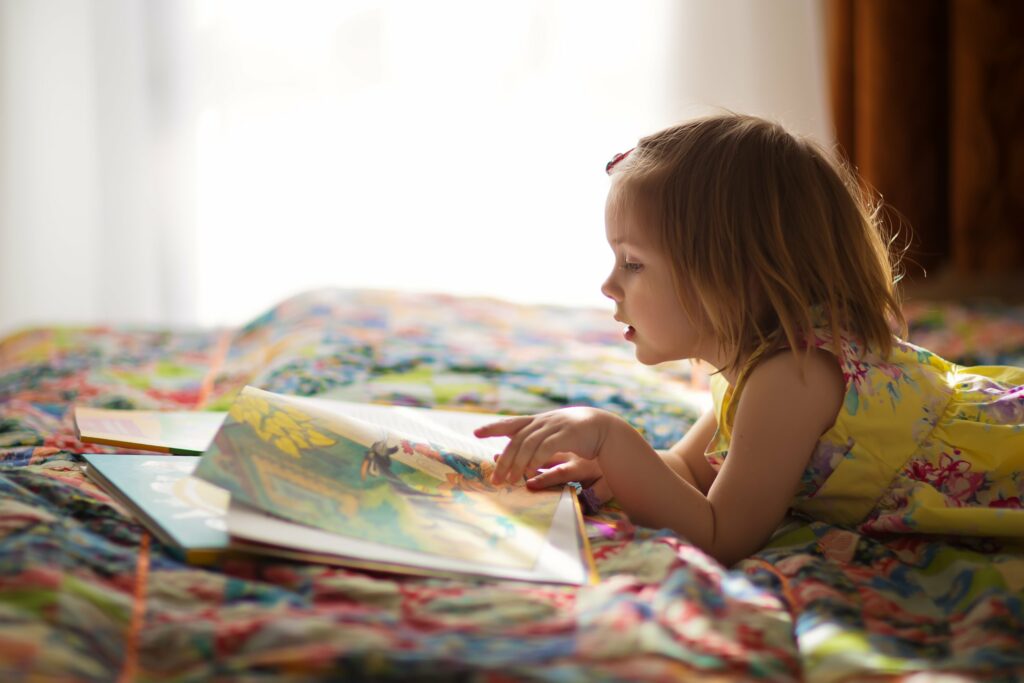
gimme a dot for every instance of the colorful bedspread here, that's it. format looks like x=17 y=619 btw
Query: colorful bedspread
x=87 y=595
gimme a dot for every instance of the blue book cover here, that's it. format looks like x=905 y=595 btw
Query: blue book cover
x=186 y=514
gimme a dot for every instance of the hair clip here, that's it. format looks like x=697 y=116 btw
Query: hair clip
x=616 y=159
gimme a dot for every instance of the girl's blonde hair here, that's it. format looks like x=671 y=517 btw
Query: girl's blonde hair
x=768 y=234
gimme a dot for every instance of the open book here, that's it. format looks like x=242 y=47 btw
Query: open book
x=398 y=489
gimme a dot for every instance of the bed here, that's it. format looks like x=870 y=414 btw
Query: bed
x=87 y=595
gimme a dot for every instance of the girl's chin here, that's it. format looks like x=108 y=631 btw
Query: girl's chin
x=648 y=358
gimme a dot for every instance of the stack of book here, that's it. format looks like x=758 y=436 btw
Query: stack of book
x=386 y=488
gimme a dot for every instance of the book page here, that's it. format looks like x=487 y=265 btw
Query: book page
x=450 y=427
x=560 y=561
x=312 y=462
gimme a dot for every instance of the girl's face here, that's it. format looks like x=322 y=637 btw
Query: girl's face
x=642 y=288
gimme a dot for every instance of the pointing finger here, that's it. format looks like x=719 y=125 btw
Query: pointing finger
x=506 y=427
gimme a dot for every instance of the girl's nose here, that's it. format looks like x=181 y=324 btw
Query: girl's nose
x=610 y=289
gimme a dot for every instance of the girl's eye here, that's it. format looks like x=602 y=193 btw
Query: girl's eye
x=632 y=267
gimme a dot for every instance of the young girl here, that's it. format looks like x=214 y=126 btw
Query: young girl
x=744 y=246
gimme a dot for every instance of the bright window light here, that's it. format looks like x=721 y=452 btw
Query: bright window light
x=452 y=146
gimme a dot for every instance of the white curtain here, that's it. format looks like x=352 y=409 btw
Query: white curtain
x=191 y=163
x=96 y=209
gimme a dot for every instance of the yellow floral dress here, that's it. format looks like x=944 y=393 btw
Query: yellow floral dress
x=920 y=445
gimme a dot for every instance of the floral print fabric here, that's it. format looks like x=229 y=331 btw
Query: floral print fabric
x=88 y=595
x=920 y=445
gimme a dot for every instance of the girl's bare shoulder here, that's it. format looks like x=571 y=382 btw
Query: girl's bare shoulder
x=812 y=382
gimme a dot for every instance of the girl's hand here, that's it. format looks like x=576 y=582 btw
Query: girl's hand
x=537 y=441
x=586 y=472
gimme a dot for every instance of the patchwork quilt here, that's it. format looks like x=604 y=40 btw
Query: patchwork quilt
x=86 y=594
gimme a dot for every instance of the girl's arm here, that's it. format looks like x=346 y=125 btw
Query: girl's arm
x=780 y=417
x=686 y=457
x=781 y=414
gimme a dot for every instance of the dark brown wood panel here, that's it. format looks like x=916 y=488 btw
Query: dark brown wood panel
x=987 y=136
x=928 y=100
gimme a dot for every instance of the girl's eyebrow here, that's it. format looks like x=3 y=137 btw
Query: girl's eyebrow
x=628 y=240
x=629 y=244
